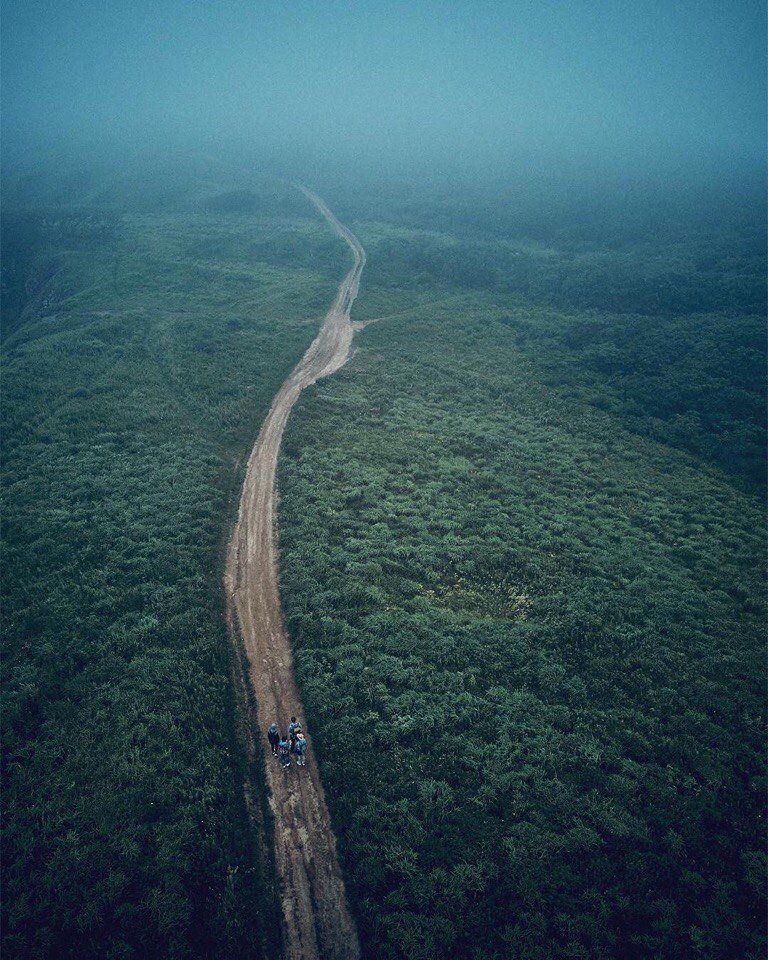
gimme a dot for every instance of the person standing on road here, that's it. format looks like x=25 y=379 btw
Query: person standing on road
x=273 y=735
x=284 y=752
x=294 y=728
x=301 y=749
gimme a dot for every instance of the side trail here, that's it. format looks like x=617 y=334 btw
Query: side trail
x=317 y=921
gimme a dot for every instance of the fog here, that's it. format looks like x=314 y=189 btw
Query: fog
x=472 y=86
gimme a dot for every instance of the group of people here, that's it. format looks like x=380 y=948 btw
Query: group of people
x=294 y=742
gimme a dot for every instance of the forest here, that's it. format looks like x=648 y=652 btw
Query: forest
x=521 y=537
x=146 y=331
x=393 y=372
x=596 y=290
x=522 y=541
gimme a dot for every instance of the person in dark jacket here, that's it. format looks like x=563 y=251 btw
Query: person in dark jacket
x=294 y=728
x=273 y=735
x=284 y=752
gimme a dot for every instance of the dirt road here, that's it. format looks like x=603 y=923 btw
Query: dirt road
x=317 y=922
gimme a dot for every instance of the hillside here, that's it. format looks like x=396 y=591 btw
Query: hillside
x=522 y=548
x=521 y=545
x=146 y=333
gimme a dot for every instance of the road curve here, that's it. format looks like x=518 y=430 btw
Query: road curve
x=317 y=921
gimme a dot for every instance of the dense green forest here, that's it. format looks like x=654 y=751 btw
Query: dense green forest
x=147 y=325
x=658 y=318
x=522 y=549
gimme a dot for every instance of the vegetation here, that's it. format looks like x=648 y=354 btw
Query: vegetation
x=598 y=297
x=521 y=551
x=521 y=541
x=144 y=341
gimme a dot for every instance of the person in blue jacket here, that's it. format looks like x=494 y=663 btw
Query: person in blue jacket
x=300 y=749
x=284 y=752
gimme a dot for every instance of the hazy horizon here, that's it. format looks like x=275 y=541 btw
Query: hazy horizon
x=545 y=87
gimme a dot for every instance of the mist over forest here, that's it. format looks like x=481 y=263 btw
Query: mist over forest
x=483 y=284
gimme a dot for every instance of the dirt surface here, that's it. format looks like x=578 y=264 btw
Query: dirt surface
x=317 y=921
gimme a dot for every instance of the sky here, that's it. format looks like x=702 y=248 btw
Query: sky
x=472 y=82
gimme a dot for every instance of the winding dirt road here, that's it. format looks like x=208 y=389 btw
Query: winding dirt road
x=317 y=921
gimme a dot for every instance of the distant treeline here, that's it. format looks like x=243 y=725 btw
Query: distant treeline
x=637 y=281
x=673 y=329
